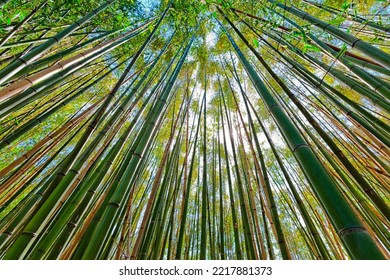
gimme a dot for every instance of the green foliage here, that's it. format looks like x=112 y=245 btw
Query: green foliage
x=115 y=168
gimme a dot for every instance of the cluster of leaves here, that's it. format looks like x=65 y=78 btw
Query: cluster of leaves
x=68 y=11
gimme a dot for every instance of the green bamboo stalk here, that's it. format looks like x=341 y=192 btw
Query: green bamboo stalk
x=29 y=202
x=374 y=53
x=90 y=184
x=186 y=190
x=41 y=88
x=365 y=186
x=59 y=55
x=167 y=189
x=212 y=213
x=325 y=87
x=20 y=24
x=36 y=222
x=367 y=65
x=251 y=205
x=203 y=242
x=347 y=181
x=313 y=231
x=280 y=236
x=345 y=221
x=245 y=220
x=117 y=198
x=125 y=162
x=31 y=124
x=376 y=84
x=367 y=92
x=359 y=197
x=3 y=2
x=221 y=192
x=25 y=42
x=172 y=196
x=356 y=59
x=354 y=18
x=37 y=79
x=266 y=231
x=9 y=71
x=231 y=193
x=153 y=193
x=321 y=84
x=102 y=197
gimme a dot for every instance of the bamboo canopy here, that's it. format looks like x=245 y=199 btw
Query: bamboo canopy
x=195 y=130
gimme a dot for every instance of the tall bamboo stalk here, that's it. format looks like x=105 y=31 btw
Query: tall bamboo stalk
x=348 y=225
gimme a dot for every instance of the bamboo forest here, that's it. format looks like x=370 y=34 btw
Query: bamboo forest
x=195 y=130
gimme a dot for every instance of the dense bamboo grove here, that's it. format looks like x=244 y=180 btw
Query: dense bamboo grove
x=194 y=129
